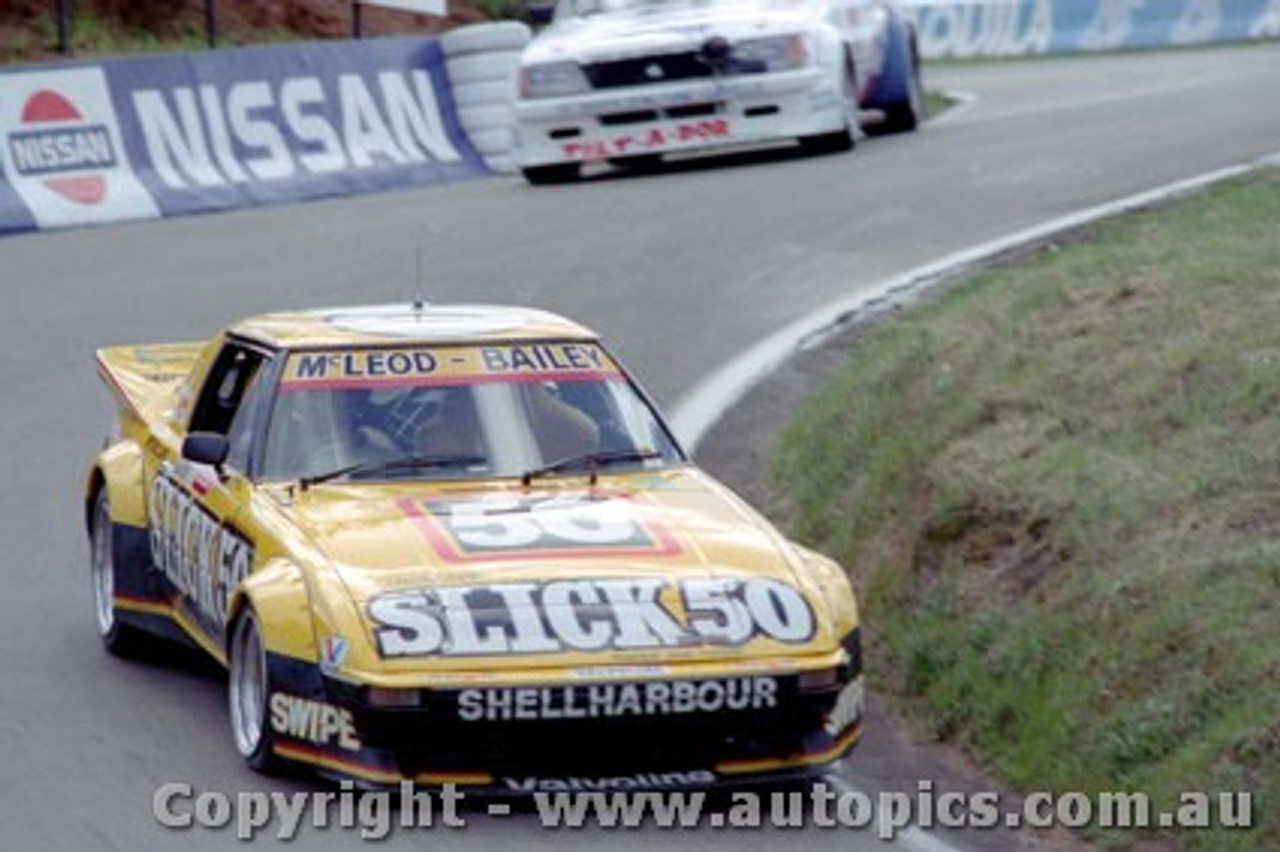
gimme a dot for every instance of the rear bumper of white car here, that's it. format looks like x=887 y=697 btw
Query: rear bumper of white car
x=680 y=116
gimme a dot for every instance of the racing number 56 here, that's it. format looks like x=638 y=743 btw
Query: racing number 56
x=556 y=523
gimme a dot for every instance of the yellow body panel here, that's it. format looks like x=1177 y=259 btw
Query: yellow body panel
x=119 y=470
x=146 y=380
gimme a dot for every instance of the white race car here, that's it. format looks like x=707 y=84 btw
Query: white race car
x=627 y=81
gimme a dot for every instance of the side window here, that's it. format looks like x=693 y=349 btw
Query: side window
x=250 y=418
x=225 y=389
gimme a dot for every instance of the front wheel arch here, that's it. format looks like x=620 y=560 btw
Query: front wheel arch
x=249 y=693
x=278 y=592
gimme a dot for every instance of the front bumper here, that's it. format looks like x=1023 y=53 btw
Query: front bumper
x=680 y=116
x=654 y=734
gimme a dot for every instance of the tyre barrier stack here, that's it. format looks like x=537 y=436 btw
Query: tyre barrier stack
x=482 y=62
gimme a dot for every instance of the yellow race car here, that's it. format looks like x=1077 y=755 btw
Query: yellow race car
x=457 y=544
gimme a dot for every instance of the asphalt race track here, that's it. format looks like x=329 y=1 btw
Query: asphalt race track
x=680 y=270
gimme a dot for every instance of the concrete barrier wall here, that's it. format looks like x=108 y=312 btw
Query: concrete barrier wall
x=157 y=136
x=970 y=28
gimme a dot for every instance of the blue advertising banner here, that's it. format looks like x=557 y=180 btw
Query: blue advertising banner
x=967 y=28
x=167 y=135
x=14 y=217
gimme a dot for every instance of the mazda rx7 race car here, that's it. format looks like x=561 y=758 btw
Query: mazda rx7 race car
x=458 y=545
x=628 y=81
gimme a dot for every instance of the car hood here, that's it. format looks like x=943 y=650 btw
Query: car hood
x=654 y=567
x=628 y=35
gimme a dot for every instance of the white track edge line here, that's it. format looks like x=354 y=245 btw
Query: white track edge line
x=909 y=837
x=915 y=840
x=700 y=409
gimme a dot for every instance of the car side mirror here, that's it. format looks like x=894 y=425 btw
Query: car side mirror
x=206 y=448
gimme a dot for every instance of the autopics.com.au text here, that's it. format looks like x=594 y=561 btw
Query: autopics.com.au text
x=374 y=815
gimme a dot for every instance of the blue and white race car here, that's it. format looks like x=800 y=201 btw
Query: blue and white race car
x=628 y=81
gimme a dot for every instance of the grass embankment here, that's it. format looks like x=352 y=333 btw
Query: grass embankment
x=95 y=33
x=28 y=28
x=1057 y=487
x=936 y=103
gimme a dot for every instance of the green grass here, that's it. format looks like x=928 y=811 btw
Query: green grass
x=94 y=34
x=936 y=103
x=1057 y=487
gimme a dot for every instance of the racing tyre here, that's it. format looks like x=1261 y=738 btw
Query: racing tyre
x=503 y=164
x=119 y=639
x=492 y=140
x=486 y=117
x=544 y=175
x=483 y=67
x=483 y=38
x=828 y=143
x=638 y=163
x=484 y=93
x=248 y=691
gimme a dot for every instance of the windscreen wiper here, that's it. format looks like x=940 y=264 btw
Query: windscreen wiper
x=373 y=466
x=591 y=461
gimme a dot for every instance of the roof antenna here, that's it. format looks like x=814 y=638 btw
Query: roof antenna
x=419 y=301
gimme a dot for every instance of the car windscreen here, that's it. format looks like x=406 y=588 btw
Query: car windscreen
x=458 y=412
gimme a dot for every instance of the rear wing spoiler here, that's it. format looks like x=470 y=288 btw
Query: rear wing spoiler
x=145 y=379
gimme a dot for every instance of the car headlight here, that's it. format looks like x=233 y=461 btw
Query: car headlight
x=552 y=80
x=775 y=53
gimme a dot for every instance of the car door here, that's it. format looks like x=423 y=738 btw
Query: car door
x=200 y=539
